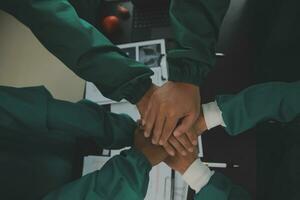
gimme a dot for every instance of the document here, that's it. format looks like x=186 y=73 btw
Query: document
x=151 y=53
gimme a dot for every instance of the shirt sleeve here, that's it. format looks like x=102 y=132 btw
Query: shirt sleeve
x=88 y=120
x=212 y=115
x=269 y=101
x=125 y=176
x=221 y=188
x=82 y=48
x=35 y=110
x=196 y=25
x=197 y=175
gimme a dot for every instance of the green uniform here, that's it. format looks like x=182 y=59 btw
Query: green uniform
x=38 y=147
x=38 y=133
x=87 y=52
x=278 y=164
x=278 y=143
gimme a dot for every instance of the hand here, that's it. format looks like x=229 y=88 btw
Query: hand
x=172 y=108
x=188 y=140
x=143 y=103
x=181 y=163
x=155 y=154
x=181 y=144
x=197 y=129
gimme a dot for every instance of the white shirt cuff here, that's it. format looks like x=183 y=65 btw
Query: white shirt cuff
x=212 y=115
x=197 y=175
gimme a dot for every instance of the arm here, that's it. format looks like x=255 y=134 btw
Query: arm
x=237 y=113
x=270 y=101
x=206 y=183
x=123 y=176
x=35 y=109
x=221 y=188
x=175 y=107
x=196 y=25
x=82 y=47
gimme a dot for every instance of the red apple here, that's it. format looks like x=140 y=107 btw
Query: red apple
x=110 y=24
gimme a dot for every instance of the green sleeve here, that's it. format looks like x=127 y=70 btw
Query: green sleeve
x=89 y=120
x=34 y=110
x=196 y=26
x=24 y=109
x=82 y=47
x=270 y=101
x=125 y=176
x=221 y=188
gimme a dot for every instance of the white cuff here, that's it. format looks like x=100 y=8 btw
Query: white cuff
x=212 y=115
x=197 y=175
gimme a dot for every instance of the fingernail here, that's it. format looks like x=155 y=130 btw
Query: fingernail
x=195 y=142
x=183 y=153
x=176 y=133
x=143 y=122
x=172 y=153
x=191 y=149
x=146 y=134
x=153 y=141
x=161 y=142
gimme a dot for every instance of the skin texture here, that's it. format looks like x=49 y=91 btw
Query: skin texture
x=181 y=144
x=143 y=103
x=181 y=163
x=186 y=142
x=172 y=108
x=154 y=153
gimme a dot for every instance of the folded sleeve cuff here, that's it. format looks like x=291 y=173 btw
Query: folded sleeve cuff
x=212 y=115
x=187 y=71
x=197 y=175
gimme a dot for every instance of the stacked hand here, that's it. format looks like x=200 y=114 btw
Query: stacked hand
x=154 y=153
x=181 y=163
x=172 y=117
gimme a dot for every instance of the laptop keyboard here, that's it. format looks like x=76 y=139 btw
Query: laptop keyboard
x=150 y=18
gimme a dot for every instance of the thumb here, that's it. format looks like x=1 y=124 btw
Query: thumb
x=185 y=125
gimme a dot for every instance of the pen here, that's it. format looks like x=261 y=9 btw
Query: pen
x=220 y=165
x=220 y=54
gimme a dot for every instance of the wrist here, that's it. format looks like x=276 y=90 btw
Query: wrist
x=185 y=166
x=212 y=115
x=197 y=175
x=142 y=104
x=201 y=124
x=154 y=155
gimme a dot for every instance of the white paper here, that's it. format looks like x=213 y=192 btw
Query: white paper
x=160 y=183
x=181 y=188
x=93 y=163
x=159 y=77
x=127 y=108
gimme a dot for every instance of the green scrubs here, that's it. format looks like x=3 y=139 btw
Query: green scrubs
x=196 y=27
x=89 y=54
x=276 y=33
x=278 y=151
x=38 y=133
x=38 y=147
